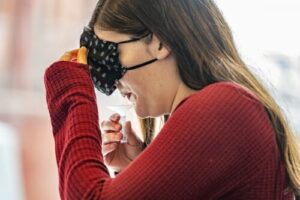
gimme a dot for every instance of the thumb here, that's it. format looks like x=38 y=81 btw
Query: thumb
x=131 y=136
x=82 y=55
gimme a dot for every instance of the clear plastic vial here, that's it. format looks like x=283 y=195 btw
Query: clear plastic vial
x=121 y=110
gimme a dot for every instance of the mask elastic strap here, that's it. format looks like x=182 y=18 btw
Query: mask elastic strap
x=141 y=65
x=134 y=39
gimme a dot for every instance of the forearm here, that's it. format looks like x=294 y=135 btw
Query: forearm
x=74 y=117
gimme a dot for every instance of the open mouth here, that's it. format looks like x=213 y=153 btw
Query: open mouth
x=128 y=95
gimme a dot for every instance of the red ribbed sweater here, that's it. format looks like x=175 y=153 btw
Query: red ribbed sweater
x=218 y=144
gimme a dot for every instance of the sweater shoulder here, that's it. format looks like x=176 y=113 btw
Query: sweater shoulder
x=222 y=93
x=229 y=88
x=230 y=117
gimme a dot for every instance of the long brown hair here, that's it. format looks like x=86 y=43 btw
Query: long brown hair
x=202 y=44
x=150 y=126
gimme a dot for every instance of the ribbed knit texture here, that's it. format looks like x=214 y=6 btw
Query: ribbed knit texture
x=218 y=144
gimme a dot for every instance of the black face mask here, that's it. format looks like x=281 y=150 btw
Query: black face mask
x=103 y=59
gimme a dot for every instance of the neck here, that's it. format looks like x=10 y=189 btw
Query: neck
x=182 y=93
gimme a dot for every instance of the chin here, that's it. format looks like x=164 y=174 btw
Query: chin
x=145 y=109
x=144 y=114
x=141 y=114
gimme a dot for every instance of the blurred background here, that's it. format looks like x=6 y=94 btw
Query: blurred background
x=35 y=33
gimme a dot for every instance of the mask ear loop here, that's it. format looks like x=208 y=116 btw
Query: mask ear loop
x=134 y=39
x=125 y=69
x=142 y=64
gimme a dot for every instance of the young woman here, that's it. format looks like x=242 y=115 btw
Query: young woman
x=226 y=138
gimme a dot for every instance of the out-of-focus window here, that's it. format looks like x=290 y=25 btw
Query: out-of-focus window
x=11 y=185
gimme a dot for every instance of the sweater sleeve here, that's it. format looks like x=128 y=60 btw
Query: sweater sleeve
x=208 y=146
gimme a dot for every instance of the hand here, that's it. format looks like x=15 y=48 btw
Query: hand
x=77 y=55
x=118 y=155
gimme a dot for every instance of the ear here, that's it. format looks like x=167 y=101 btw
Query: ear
x=158 y=49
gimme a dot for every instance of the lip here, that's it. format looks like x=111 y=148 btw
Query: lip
x=129 y=96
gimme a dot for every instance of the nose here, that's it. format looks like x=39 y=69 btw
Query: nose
x=119 y=85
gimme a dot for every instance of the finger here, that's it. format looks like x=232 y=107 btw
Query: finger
x=69 y=55
x=108 y=148
x=82 y=55
x=111 y=137
x=133 y=139
x=74 y=51
x=115 y=117
x=74 y=54
x=109 y=126
x=66 y=57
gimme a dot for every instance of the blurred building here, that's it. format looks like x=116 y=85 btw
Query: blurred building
x=33 y=33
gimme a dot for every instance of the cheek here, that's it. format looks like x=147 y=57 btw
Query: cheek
x=145 y=95
x=130 y=56
x=133 y=81
x=142 y=82
x=125 y=57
